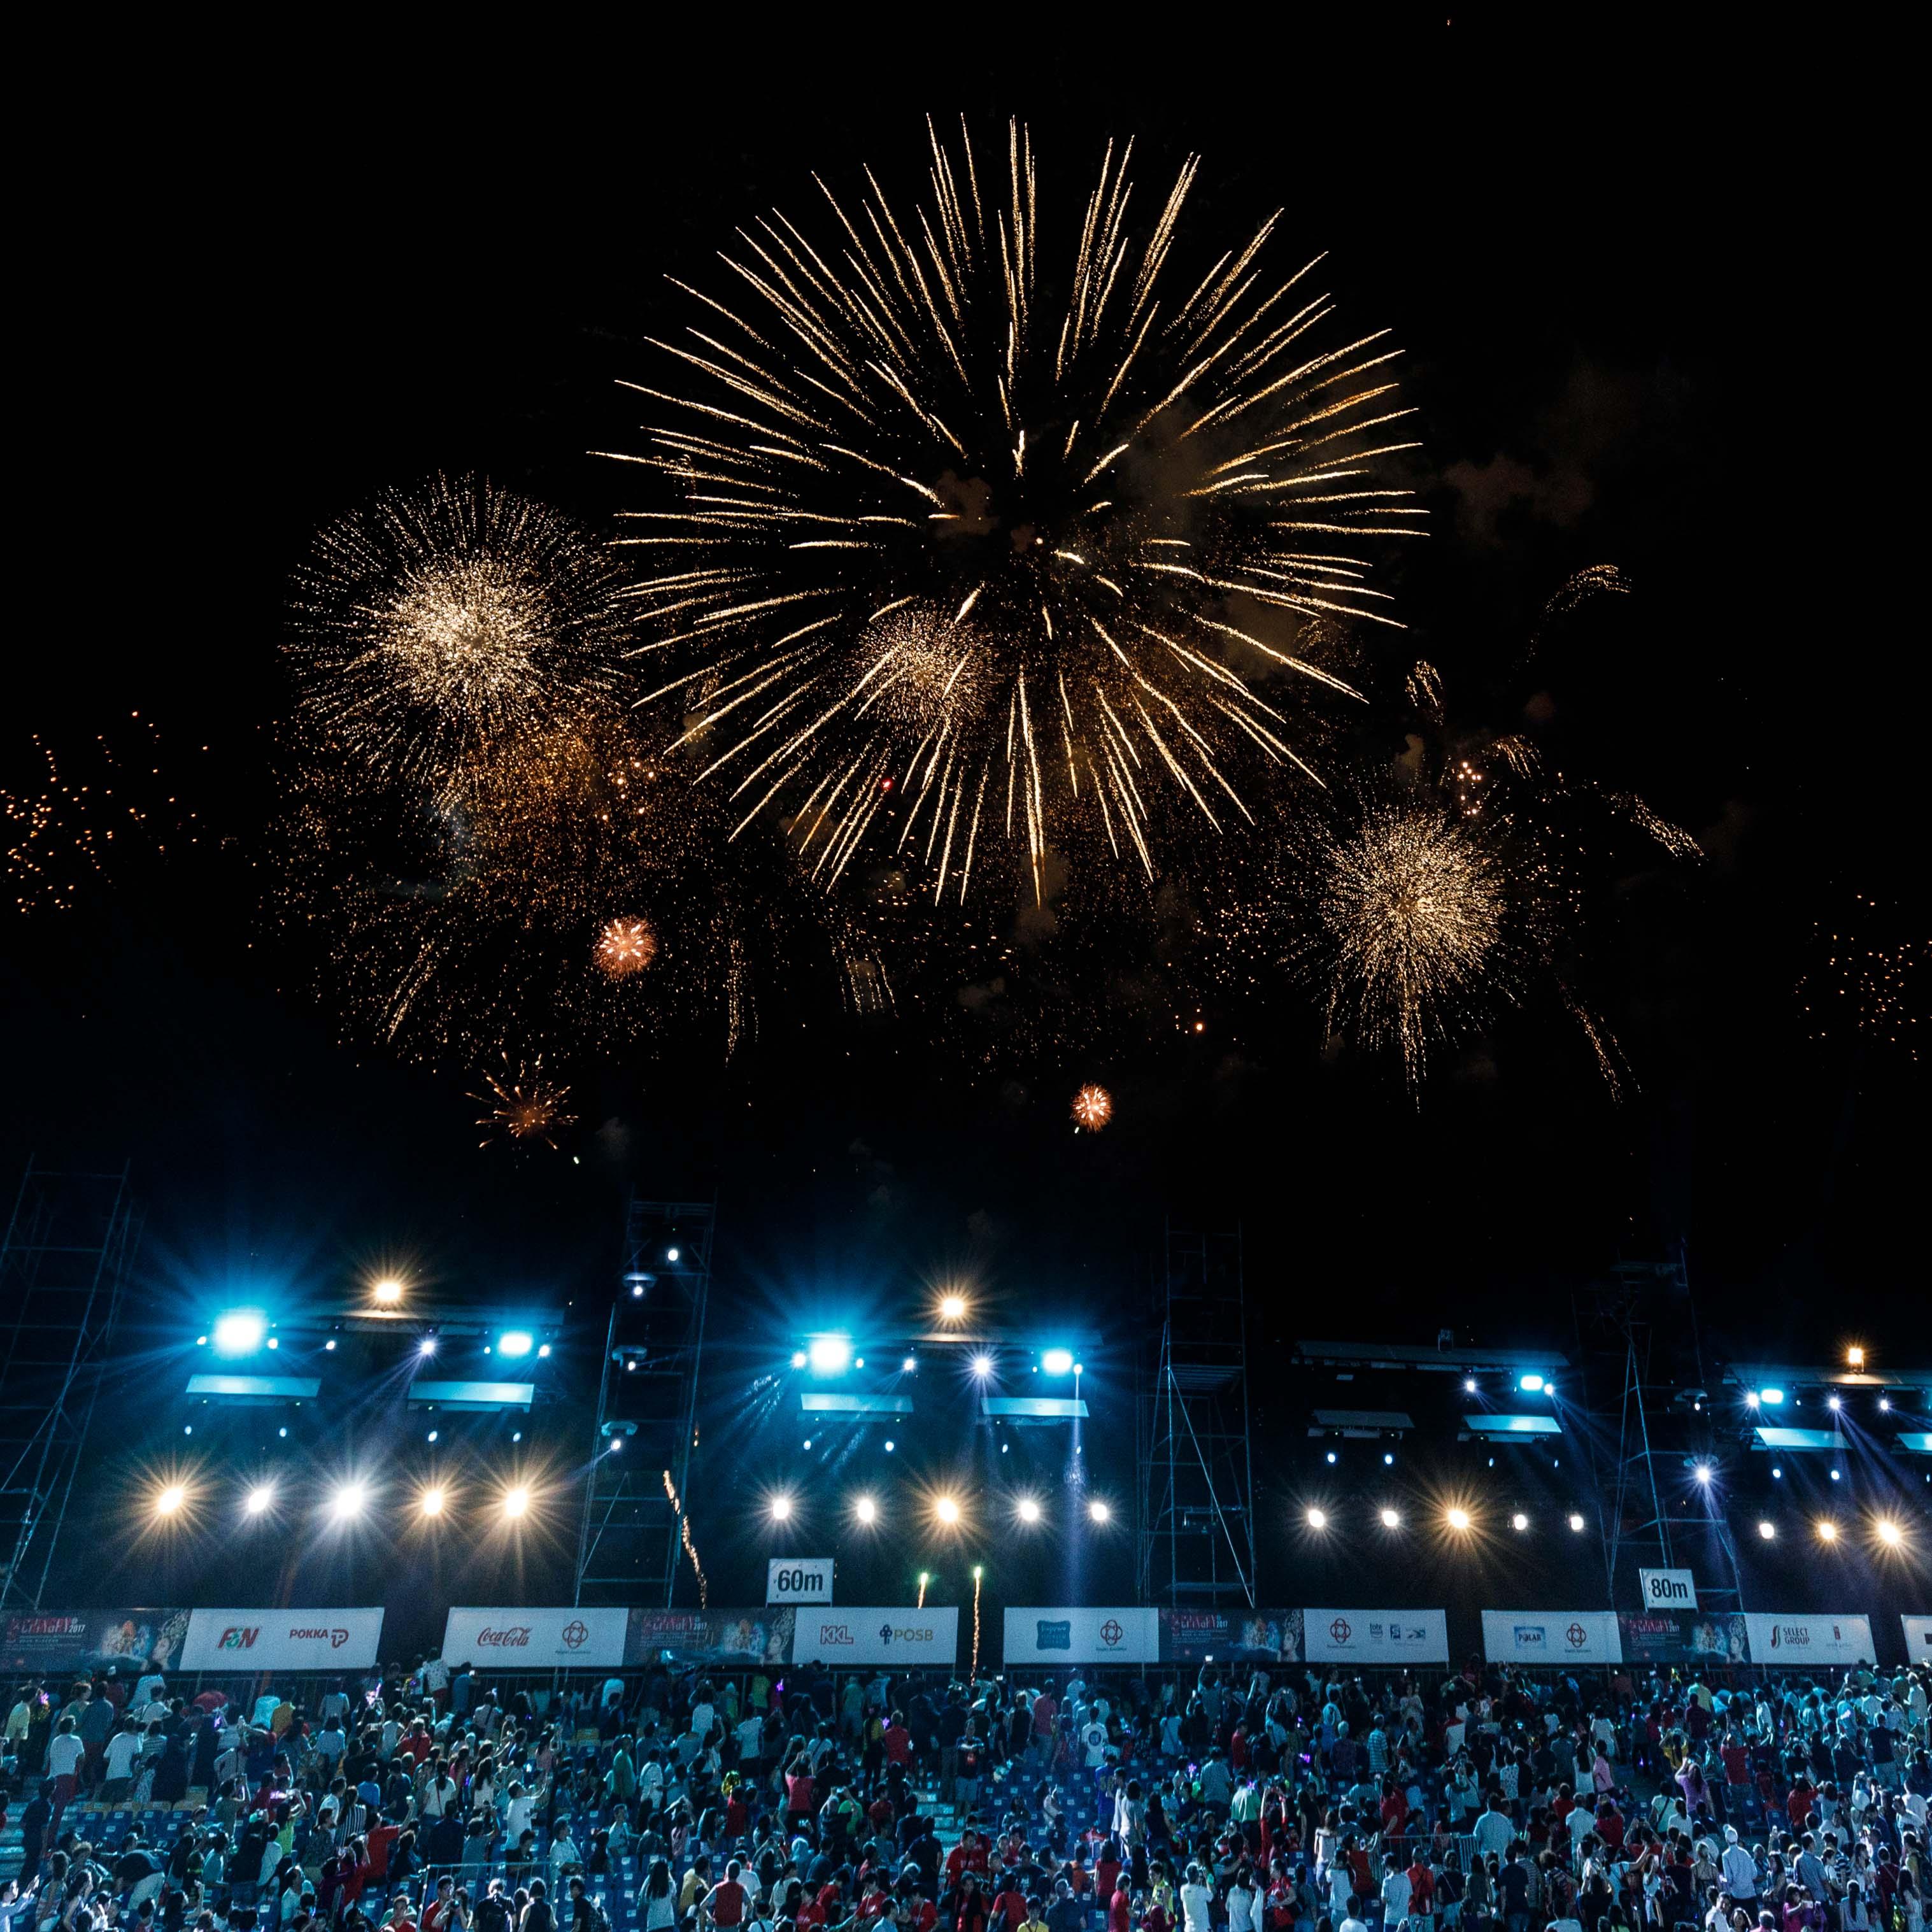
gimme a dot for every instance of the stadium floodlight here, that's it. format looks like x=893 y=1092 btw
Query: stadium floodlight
x=907 y=1367
x=1057 y=1361
x=1577 y=1522
x=169 y=1500
x=798 y=1358
x=1391 y=1519
x=779 y=1509
x=952 y=1308
x=388 y=1291
x=515 y=1342
x=983 y=1365
x=1702 y=1471
x=1768 y=1530
x=1530 y=1383
x=1098 y=1511
x=259 y=1499
x=866 y=1510
x=1750 y=1398
x=673 y=1255
x=829 y=1354
x=516 y=1502
x=1828 y=1531
x=427 y=1346
x=1833 y=1403
x=1459 y=1519
x=241 y=1331
x=1854 y=1358
x=1468 y=1385
x=1519 y=1521
x=1318 y=1518
x=1029 y=1510
x=946 y=1510
x=431 y=1501
x=1889 y=1534
x=348 y=1502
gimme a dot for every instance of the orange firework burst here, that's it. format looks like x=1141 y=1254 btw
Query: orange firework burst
x=524 y=1105
x=626 y=946
x=1093 y=1109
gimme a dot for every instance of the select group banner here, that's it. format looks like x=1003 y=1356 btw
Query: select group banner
x=1376 y=1637
x=1064 y=1634
x=1238 y=1636
x=1917 y=1637
x=709 y=1636
x=883 y=1635
x=545 y=1639
x=1809 y=1638
x=124 y=1641
x=1546 y=1637
x=272 y=1639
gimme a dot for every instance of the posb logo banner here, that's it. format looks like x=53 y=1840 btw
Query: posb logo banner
x=545 y=1639
x=1545 y=1637
x=1809 y=1638
x=1058 y=1634
x=271 y=1639
x=882 y=1635
x=1376 y=1637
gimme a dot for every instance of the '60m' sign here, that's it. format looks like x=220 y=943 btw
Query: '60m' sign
x=798 y=1579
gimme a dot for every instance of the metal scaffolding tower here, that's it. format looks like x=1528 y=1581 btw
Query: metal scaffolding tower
x=70 y=1242
x=1197 y=1519
x=628 y=1541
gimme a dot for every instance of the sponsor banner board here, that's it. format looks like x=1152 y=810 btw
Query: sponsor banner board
x=1683 y=1636
x=249 y=1640
x=1221 y=1636
x=1066 y=1635
x=124 y=1641
x=1550 y=1636
x=798 y=1579
x=709 y=1636
x=1376 y=1637
x=1917 y=1637
x=1809 y=1638
x=542 y=1640
x=1667 y=1589
x=884 y=1634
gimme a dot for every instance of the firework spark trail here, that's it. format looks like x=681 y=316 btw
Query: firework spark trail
x=690 y=1547
x=450 y=620
x=1412 y=905
x=1113 y=497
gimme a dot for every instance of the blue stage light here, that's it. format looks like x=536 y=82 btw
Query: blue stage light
x=1057 y=1361
x=514 y=1342
x=239 y=1332
x=1530 y=1383
x=829 y=1355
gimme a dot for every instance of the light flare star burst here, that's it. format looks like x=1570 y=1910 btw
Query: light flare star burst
x=980 y=522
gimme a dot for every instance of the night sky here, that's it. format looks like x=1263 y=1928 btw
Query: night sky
x=1641 y=328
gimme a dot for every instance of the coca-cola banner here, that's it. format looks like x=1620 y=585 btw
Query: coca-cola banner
x=1231 y=1636
x=272 y=1639
x=60 y=1641
x=548 y=1640
x=722 y=1637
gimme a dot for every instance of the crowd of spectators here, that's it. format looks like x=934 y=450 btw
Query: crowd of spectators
x=1216 y=1800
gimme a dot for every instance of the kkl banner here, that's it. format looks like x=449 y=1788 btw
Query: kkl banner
x=883 y=1635
x=271 y=1639
x=1549 y=1637
x=1067 y=1635
x=547 y=1639
x=1376 y=1637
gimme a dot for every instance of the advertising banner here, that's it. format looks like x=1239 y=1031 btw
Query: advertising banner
x=1064 y=1635
x=282 y=1639
x=1667 y=1589
x=1225 y=1637
x=885 y=1635
x=1809 y=1638
x=709 y=1636
x=51 y=1642
x=547 y=1639
x=798 y=1579
x=1683 y=1636
x=1376 y=1637
x=1550 y=1637
x=1917 y=1638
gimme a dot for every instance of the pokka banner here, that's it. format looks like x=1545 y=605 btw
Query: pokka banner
x=879 y=1636
x=709 y=1636
x=273 y=1640
x=1064 y=1635
x=550 y=1639
x=123 y=1641
x=1809 y=1638
x=1231 y=1636
x=1684 y=1637
x=1376 y=1637
x=1551 y=1636
x=1917 y=1638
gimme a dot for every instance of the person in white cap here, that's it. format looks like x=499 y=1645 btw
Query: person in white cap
x=1740 y=1868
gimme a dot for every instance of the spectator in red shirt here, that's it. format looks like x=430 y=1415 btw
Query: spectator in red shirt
x=1119 y=1909
x=1009 y=1905
x=724 y=1903
x=898 y=1740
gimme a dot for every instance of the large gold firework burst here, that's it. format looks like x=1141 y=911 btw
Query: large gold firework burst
x=450 y=620
x=1411 y=903
x=1112 y=491
x=1093 y=1108
x=522 y=1105
x=626 y=946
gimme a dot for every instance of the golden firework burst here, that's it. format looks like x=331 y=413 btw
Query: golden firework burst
x=1093 y=1108
x=626 y=946
x=524 y=1105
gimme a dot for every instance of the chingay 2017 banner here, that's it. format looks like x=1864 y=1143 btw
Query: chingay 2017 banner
x=126 y=1641
x=1231 y=1636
